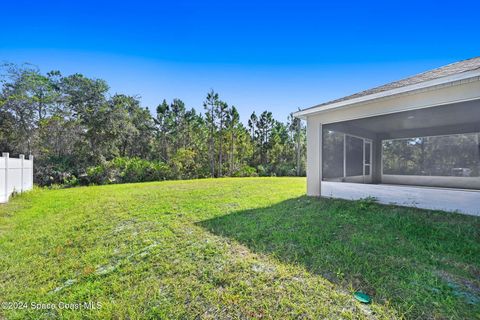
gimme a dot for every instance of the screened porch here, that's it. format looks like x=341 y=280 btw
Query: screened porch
x=434 y=147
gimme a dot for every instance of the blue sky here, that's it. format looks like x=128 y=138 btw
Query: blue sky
x=258 y=55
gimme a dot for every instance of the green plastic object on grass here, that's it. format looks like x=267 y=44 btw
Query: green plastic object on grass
x=362 y=297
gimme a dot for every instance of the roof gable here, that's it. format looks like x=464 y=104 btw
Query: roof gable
x=445 y=71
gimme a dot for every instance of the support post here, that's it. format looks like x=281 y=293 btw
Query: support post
x=314 y=157
x=344 y=157
x=22 y=161
x=376 y=166
x=320 y=164
x=6 y=155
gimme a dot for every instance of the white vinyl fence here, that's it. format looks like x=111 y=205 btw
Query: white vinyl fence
x=16 y=175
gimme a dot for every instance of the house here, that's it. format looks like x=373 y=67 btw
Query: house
x=413 y=142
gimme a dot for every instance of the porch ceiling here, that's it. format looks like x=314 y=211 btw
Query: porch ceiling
x=461 y=117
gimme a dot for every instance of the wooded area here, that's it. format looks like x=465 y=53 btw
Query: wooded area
x=448 y=155
x=80 y=134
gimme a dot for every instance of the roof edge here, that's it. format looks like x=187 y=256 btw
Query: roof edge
x=384 y=94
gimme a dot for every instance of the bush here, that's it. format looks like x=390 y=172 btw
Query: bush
x=267 y=170
x=246 y=171
x=51 y=174
x=123 y=170
x=100 y=174
x=285 y=169
x=262 y=171
x=183 y=164
x=72 y=181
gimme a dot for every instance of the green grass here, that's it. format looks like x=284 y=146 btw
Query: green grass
x=233 y=249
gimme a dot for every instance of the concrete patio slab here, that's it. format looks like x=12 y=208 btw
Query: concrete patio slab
x=452 y=200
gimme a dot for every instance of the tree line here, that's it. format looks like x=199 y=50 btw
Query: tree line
x=447 y=155
x=80 y=134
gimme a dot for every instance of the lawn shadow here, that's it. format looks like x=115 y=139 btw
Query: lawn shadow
x=399 y=255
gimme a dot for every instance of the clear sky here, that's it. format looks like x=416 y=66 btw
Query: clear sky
x=258 y=55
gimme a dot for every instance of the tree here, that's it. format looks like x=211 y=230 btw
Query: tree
x=295 y=128
x=252 y=124
x=234 y=129
x=178 y=125
x=8 y=137
x=211 y=104
x=162 y=122
x=132 y=126
x=86 y=100
x=27 y=98
x=264 y=127
x=221 y=114
x=74 y=128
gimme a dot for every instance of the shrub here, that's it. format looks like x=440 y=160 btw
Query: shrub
x=246 y=171
x=123 y=170
x=262 y=171
x=51 y=174
x=285 y=169
x=100 y=174
x=183 y=164
x=71 y=181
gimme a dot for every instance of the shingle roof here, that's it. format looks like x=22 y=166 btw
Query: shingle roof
x=448 y=70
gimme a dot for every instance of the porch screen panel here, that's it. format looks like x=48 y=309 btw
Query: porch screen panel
x=354 y=152
x=449 y=155
x=332 y=154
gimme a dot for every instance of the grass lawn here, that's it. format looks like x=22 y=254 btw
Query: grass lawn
x=233 y=249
